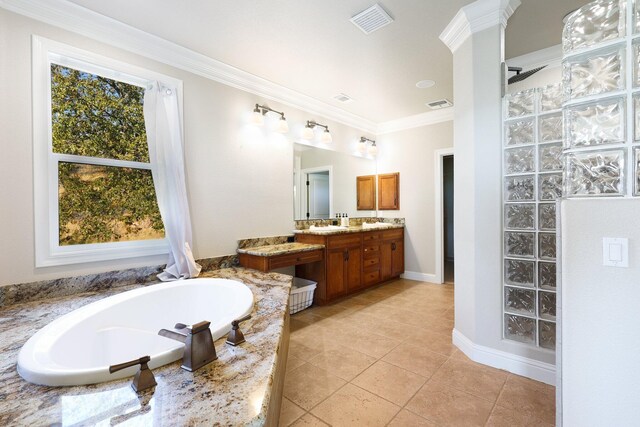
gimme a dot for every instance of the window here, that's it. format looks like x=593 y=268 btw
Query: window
x=94 y=193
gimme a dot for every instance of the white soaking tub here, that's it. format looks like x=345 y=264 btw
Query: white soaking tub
x=78 y=347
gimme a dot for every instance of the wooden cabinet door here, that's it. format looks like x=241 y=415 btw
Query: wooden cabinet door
x=385 y=260
x=397 y=257
x=336 y=273
x=389 y=191
x=366 y=192
x=354 y=268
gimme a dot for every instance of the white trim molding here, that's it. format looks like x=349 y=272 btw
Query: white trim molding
x=475 y=17
x=550 y=56
x=415 y=121
x=530 y=368
x=420 y=277
x=72 y=17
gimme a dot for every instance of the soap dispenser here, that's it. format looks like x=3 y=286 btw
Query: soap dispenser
x=344 y=221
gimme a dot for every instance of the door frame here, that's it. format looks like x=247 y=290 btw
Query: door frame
x=303 y=184
x=439 y=203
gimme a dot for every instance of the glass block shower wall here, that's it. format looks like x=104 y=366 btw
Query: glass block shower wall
x=601 y=43
x=532 y=169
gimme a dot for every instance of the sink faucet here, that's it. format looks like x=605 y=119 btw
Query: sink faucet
x=199 y=349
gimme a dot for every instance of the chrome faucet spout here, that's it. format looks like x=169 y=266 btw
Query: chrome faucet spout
x=174 y=335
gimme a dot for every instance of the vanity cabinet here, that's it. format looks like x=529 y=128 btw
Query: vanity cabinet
x=366 y=192
x=389 y=191
x=353 y=261
x=392 y=254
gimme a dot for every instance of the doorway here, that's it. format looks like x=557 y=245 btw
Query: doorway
x=317 y=190
x=447 y=218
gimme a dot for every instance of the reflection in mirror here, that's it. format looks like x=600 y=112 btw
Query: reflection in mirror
x=324 y=182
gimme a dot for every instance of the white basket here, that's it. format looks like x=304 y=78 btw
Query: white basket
x=301 y=294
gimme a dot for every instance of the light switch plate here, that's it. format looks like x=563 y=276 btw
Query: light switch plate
x=615 y=252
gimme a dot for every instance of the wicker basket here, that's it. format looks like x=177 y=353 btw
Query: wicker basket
x=301 y=294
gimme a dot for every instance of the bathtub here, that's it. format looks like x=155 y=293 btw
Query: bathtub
x=78 y=347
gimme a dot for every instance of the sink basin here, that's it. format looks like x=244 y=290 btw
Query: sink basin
x=327 y=228
x=376 y=225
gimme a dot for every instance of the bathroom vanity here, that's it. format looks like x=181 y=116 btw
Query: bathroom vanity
x=355 y=259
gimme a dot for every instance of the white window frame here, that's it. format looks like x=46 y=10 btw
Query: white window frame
x=45 y=162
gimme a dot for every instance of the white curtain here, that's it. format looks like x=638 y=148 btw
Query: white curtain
x=164 y=137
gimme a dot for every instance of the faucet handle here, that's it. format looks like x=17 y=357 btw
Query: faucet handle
x=236 y=336
x=143 y=379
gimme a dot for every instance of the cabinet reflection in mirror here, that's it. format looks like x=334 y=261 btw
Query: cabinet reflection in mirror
x=324 y=183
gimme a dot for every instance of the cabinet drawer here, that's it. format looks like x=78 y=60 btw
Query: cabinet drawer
x=287 y=260
x=368 y=262
x=373 y=236
x=371 y=249
x=393 y=234
x=371 y=277
x=344 y=241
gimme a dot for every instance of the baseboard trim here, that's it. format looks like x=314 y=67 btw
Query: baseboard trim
x=422 y=277
x=519 y=365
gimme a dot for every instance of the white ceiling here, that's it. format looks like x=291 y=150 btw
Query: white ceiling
x=311 y=47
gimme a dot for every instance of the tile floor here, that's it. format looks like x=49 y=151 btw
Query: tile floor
x=384 y=358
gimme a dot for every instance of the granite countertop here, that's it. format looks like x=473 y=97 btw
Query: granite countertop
x=280 y=249
x=355 y=229
x=233 y=390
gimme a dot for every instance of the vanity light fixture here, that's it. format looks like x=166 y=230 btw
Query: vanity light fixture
x=362 y=146
x=307 y=132
x=257 y=118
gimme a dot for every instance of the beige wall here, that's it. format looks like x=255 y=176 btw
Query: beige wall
x=239 y=177
x=411 y=152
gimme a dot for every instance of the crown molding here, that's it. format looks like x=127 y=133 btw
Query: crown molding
x=550 y=56
x=77 y=19
x=418 y=120
x=475 y=17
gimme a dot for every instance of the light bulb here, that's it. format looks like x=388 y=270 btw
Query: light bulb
x=373 y=150
x=326 y=137
x=257 y=118
x=307 y=132
x=362 y=147
x=283 y=127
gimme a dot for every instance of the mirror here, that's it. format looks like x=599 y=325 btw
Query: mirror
x=331 y=178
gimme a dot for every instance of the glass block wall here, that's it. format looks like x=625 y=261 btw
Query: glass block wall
x=532 y=169
x=601 y=43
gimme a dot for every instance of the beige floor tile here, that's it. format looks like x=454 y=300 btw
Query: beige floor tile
x=385 y=327
x=309 y=421
x=503 y=417
x=479 y=380
x=343 y=362
x=294 y=362
x=395 y=384
x=289 y=412
x=309 y=385
x=409 y=419
x=447 y=406
x=434 y=341
x=529 y=397
x=300 y=350
x=352 y=406
x=415 y=359
x=369 y=343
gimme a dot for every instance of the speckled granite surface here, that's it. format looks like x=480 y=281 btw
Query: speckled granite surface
x=356 y=229
x=25 y=292
x=262 y=241
x=234 y=390
x=281 y=249
x=304 y=224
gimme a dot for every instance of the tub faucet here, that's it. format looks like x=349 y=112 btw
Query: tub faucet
x=199 y=349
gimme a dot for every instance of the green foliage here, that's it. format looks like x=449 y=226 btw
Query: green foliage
x=99 y=117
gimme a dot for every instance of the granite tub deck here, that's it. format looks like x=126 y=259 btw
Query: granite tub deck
x=236 y=389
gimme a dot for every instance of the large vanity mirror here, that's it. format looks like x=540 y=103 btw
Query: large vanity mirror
x=324 y=182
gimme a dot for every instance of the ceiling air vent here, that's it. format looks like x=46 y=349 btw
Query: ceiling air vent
x=371 y=19
x=342 y=97
x=440 y=104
